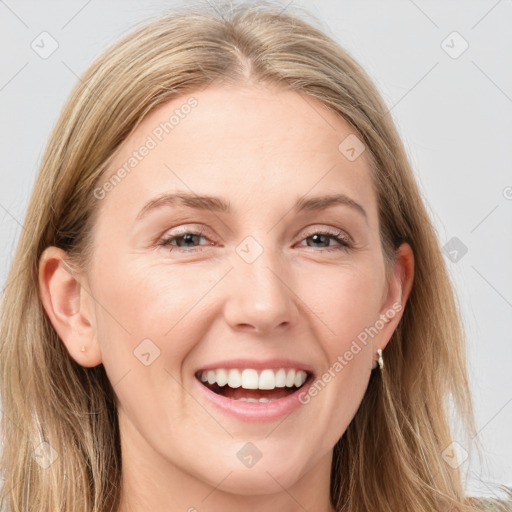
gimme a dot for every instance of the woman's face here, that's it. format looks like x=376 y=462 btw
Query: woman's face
x=263 y=275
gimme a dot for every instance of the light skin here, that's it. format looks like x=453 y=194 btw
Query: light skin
x=261 y=149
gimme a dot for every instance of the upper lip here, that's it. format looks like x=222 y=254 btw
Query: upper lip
x=257 y=364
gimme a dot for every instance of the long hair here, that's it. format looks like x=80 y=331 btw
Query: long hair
x=61 y=447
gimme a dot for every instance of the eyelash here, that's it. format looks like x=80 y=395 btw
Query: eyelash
x=345 y=245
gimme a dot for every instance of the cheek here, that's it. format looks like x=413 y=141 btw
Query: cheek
x=148 y=308
x=142 y=294
x=146 y=332
x=351 y=307
x=347 y=300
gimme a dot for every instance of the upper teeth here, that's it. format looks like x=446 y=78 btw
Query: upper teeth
x=249 y=378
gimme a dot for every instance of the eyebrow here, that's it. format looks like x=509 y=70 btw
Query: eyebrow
x=218 y=204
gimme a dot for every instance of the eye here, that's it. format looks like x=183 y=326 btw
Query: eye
x=184 y=241
x=325 y=236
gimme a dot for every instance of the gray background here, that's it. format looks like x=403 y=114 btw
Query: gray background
x=453 y=109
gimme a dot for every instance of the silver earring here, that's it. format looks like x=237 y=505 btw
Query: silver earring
x=381 y=360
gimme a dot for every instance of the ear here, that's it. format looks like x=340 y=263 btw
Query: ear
x=395 y=295
x=68 y=306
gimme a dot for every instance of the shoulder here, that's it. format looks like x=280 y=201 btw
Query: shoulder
x=492 y=504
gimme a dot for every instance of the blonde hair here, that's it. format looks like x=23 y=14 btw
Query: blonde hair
x=390 y=457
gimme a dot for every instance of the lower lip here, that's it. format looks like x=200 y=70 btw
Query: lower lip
x=256 y=412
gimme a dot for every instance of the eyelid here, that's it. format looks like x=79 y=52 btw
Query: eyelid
x=187 y=228
x=338 y=232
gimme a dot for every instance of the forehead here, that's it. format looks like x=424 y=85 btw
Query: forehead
x=253 y=144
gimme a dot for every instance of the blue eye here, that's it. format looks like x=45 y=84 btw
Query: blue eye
x=321 y=236
x=185 y=241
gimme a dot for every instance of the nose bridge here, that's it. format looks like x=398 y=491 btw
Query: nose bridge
x=259 y=295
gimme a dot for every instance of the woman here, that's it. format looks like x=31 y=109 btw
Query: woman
x=228 y=294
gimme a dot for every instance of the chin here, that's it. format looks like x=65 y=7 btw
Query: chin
x=262 y=478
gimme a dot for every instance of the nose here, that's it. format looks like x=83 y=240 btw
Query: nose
x=260 y=295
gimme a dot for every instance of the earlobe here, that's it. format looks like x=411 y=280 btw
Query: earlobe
x=61 y=291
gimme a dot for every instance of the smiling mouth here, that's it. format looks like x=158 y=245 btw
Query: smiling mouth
x=251 y=385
